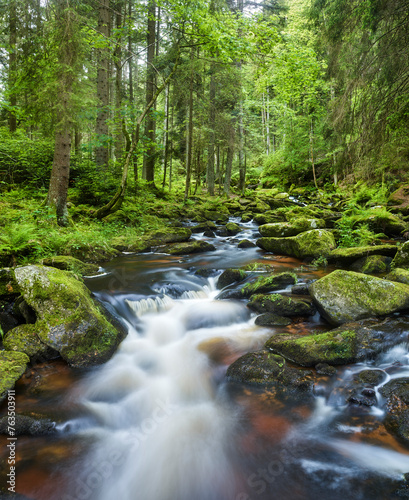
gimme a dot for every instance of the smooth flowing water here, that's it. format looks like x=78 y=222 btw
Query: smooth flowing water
x=159 y=421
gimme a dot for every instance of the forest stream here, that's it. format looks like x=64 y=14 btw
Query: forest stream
x=160 y=421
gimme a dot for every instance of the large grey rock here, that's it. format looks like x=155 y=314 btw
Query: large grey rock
x=344 y=296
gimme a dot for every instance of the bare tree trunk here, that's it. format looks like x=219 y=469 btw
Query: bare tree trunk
x=12 y=66
x=229 y=165
x=312 y=152
x=166 y=136
x=101 y=152
x=212 y=135
x=118 y=83
x=190 y=129
x=148 y=171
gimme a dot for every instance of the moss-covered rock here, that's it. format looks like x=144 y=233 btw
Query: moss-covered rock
x=232 y=228
x=12 y=366
x=230 y=276
x=69 y=320
x=24 y=338
x=266 y=284
x=246 y=244
x=270 y=319
x=350 y=343
x=310 y=244
x=372 y=264
x=344 y=296
x=264 y=369
x=170 y=235
x=284 y=229
x=347 y=256
x=203 y=226
x=384 y=222
x=125 y=244
x=402 y=257
x=68 y=263
x=268 y=218
x=246 y=217
x=195 y=246
x=396 y=421
x=281 y=305
x=8 y=284
x=399 y=275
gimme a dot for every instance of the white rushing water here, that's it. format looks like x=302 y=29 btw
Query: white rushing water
x=159 y=423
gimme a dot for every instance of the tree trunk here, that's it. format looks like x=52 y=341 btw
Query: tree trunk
x=212 y=133
x=60 y=174
x=12 y=66
x=166 y=136
x=101 y=152
x=190 y=129
x=229 y=165
x=148 y=171
x=118 y=83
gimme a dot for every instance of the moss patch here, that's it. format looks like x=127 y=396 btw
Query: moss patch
x=12 y=366
x=269 y=284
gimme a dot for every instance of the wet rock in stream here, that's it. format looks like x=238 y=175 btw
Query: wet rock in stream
x=262 y=368
x=350 y=343
x=28 y=425
x=396 y=393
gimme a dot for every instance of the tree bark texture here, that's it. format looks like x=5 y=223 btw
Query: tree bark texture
x=101 y=152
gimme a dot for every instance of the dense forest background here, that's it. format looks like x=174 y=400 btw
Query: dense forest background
x=105 y=99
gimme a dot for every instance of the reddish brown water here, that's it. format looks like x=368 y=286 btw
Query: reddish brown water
x=219 y=441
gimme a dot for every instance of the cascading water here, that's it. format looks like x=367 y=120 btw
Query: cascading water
x=159 y=421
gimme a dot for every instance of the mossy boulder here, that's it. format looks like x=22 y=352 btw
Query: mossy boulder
x=246 y=244
x=230 y=276
x=170 y=235
x=270 y=320
x=402 y=256
x=270 y=217
x=24 y=338
x=262 y=368
x=387 y=223
x=350 y=343
x=195 y=246
x=246 y=217
x=344 y=296
x=266 y=284
x=284 y=229
x=232 y=228
x=68 y=263
x=203 y=226
x=12 y=366
x=372 y=264
x=68 y=319
x=396 y=393
x=347 y=256
x=281 y=305
x=310 y=244
x=8 y=284
x=399 y=275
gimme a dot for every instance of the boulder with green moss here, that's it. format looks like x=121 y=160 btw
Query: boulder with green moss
x=268 y=218
x=25 y=338
x=262 y=368
x=170 y=235
x=68 y=263
x=347 y=256
x=68 y=319
x=270 y=319
x=281 y=305
x=266 y=284
x=195 y=246
x=310 y=244
x=232 y=228
x=246 y=244
x=230 y=276
x=372 y=264
x=349 y=343
x=284 y=229
x=399 y=275
x=203 y=226
x=384 y=222
x=12 y=367
x=402 y=256
x=344 y=296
